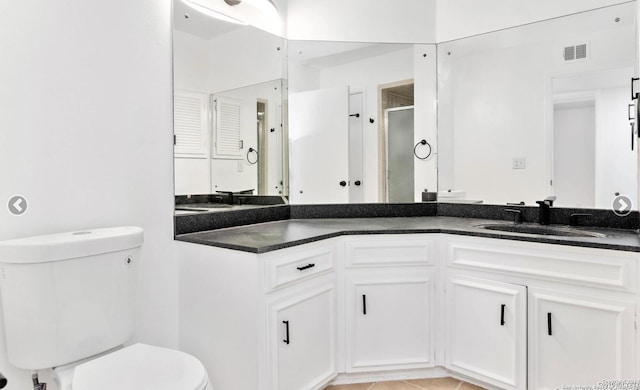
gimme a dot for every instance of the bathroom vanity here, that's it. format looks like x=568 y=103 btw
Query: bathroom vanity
x=299 y=303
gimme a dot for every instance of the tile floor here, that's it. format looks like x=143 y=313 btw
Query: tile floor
x=413 y=384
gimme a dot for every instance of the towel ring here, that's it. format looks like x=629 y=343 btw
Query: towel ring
x=252 y=150
x=415 y=149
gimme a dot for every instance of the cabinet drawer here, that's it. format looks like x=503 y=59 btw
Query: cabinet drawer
x=590 y=267
x=389 y=250
x=299 y=264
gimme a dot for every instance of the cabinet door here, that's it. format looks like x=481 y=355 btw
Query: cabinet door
x=487 y=331
x=302 y=339
x=389 y=323
x=575 y=340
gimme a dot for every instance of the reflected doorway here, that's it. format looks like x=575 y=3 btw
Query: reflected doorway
x=400 y=173
x=574 y=151
x=396 y=143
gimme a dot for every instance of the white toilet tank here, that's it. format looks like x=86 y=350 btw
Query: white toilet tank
x=68 y=296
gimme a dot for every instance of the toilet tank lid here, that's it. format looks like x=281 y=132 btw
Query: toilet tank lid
x=70 y=245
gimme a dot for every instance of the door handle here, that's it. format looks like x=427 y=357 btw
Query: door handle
x=364 y=304
x=286 y=330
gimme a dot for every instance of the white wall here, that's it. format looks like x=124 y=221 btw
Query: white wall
x=462 y=18
x=85 y=113
x=244 y=57
x=362 y=20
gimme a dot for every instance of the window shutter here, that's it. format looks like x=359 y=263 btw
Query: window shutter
x=190 y=124
x=227 y=129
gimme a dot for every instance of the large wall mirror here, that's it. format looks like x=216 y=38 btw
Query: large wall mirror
x=504 y=117
x=229 y=89
x=540 y=110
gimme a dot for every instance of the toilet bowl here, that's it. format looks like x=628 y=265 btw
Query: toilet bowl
x=137 y=367
x=82 y=286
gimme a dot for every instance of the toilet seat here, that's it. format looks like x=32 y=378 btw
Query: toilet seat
x=141 y=367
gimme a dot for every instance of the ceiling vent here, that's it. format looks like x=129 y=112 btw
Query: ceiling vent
x=577 y=52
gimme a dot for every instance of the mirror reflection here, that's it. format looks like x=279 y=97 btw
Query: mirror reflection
x=540 y=110
x=510 y=116
x=227 y=107
x=356 y=113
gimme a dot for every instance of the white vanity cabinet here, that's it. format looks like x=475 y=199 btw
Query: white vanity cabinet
x=389 y=300
x=301 y=323
x=261 y=321
x=577 y=339
x=302 y=337
x=508 y=314
x=487 y=331
x=580 y=312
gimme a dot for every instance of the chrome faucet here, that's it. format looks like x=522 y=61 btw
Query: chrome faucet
x=544 y=216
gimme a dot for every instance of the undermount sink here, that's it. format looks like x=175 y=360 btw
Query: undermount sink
x=545 y=230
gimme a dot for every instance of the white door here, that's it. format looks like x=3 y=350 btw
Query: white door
x=389 y=324
x=575 y=340
x=487 y=331
x=303 y=340
x=319 y=146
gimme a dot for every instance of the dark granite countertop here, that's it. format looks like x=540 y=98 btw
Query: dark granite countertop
x=270 y=236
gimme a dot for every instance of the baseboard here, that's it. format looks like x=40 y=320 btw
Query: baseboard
x=381 y=376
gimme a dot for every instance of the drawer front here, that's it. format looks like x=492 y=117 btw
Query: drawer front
x=301 y=264
x=590 y=267
x=390 y=250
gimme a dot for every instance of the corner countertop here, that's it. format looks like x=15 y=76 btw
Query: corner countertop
x=271 y=236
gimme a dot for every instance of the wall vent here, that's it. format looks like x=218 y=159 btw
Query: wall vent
x=577 y=52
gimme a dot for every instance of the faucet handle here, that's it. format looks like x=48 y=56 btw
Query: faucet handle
x=574 y=219
x=517 y=215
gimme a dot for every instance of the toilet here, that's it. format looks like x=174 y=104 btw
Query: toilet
x=68 y=302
